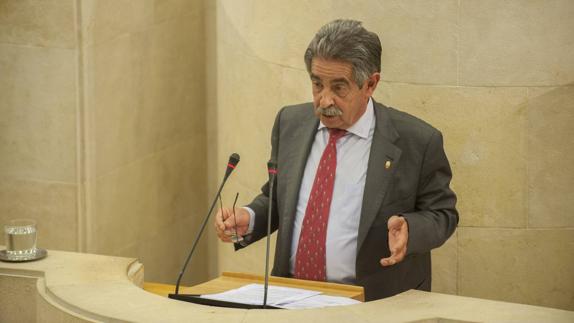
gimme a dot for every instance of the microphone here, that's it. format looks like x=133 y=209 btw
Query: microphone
x=233 y=161
x=272 y=170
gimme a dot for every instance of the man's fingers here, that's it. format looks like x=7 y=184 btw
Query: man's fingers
x=391 y=260
x=229 y=226
x=395 y=257
x=221 y=218
x=239 y=219
x=400 y=243
x=388 y=261
x=221 y=225
x=223 y=236
x=232 y=229
x=398 y=239
x=401 y=253
x=230 y=222
x=398 y=252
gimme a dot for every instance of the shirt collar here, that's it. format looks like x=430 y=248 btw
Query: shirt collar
x=362 y=127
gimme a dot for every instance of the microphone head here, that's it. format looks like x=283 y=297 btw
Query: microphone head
x=233 y=161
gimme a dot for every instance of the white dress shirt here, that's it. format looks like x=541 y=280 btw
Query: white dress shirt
x=353 y=152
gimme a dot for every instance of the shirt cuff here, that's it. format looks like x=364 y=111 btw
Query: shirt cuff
x=251 y=220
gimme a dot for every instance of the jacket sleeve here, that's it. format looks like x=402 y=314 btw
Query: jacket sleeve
x=435 y=217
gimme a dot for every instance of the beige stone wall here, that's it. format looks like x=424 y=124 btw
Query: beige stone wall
x=38 y=112
x=144 y=76
x=497 y=79
x=102 y=131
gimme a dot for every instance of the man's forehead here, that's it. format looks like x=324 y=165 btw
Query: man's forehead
x=331 y=70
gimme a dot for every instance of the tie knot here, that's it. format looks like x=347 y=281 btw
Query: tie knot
x=335 y=134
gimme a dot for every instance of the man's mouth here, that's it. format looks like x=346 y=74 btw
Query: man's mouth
x=330 y=111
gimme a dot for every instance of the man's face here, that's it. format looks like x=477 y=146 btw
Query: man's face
x=334 y=88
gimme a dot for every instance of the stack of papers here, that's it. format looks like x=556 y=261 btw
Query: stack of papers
x=284 y=297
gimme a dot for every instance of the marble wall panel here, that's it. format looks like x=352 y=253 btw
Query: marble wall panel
x=295 y=86
x=172 y=100
x=259 y=30
x=52 y=205
x=108 y=19
x=413 y=33
x=169 y=9
x=247 y=114
x=485 y=139
x=445 y=267
x=419 y=39
x=516 y=43
x=125 y=200
x=516 y=265
x=136 y=206
x=38 y=113
x=164 y=253
x=148 y=90
x=145 y=81
x=115 y=75
x=550 y=171
x=38 y=23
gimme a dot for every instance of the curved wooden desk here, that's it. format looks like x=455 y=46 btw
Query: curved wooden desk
x=75 y=287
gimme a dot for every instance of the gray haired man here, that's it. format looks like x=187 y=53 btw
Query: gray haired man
x=362 y=192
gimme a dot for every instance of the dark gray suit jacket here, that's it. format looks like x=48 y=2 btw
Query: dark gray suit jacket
x=416 y=186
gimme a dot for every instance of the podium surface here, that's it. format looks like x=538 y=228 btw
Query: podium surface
x=76 y=287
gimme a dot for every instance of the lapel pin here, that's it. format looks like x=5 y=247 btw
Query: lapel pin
x=387 y=164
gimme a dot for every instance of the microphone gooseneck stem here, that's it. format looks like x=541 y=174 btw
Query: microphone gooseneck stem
x=269 y=210
x=200 y=233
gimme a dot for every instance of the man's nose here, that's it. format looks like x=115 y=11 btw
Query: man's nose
x=326 y=99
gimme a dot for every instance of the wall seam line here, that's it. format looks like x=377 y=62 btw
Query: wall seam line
x=458 y=43
x=81 y=196
x=527 y=153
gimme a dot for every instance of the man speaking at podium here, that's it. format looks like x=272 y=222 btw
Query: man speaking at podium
x=362 y=191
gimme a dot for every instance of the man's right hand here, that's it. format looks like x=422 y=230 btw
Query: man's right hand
x=225 y=223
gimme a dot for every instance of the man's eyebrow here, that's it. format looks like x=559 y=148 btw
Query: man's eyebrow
x=340 y=80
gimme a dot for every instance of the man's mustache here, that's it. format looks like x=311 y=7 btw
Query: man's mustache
x=330 y=111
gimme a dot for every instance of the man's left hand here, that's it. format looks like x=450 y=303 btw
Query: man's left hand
x=398 y=238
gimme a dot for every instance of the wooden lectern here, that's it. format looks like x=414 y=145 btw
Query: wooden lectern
x=231 y=280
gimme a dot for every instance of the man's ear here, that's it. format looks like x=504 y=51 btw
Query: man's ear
x=372 y=83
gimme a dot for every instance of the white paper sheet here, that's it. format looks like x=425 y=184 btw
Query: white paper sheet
x=320 y=301
x=253 y=294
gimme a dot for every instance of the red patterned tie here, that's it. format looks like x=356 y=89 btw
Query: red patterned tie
x=310 y=261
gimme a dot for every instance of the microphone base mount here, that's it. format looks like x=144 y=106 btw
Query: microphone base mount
x=197 y=299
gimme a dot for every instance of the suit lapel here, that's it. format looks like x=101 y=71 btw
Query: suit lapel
x=378 y=176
